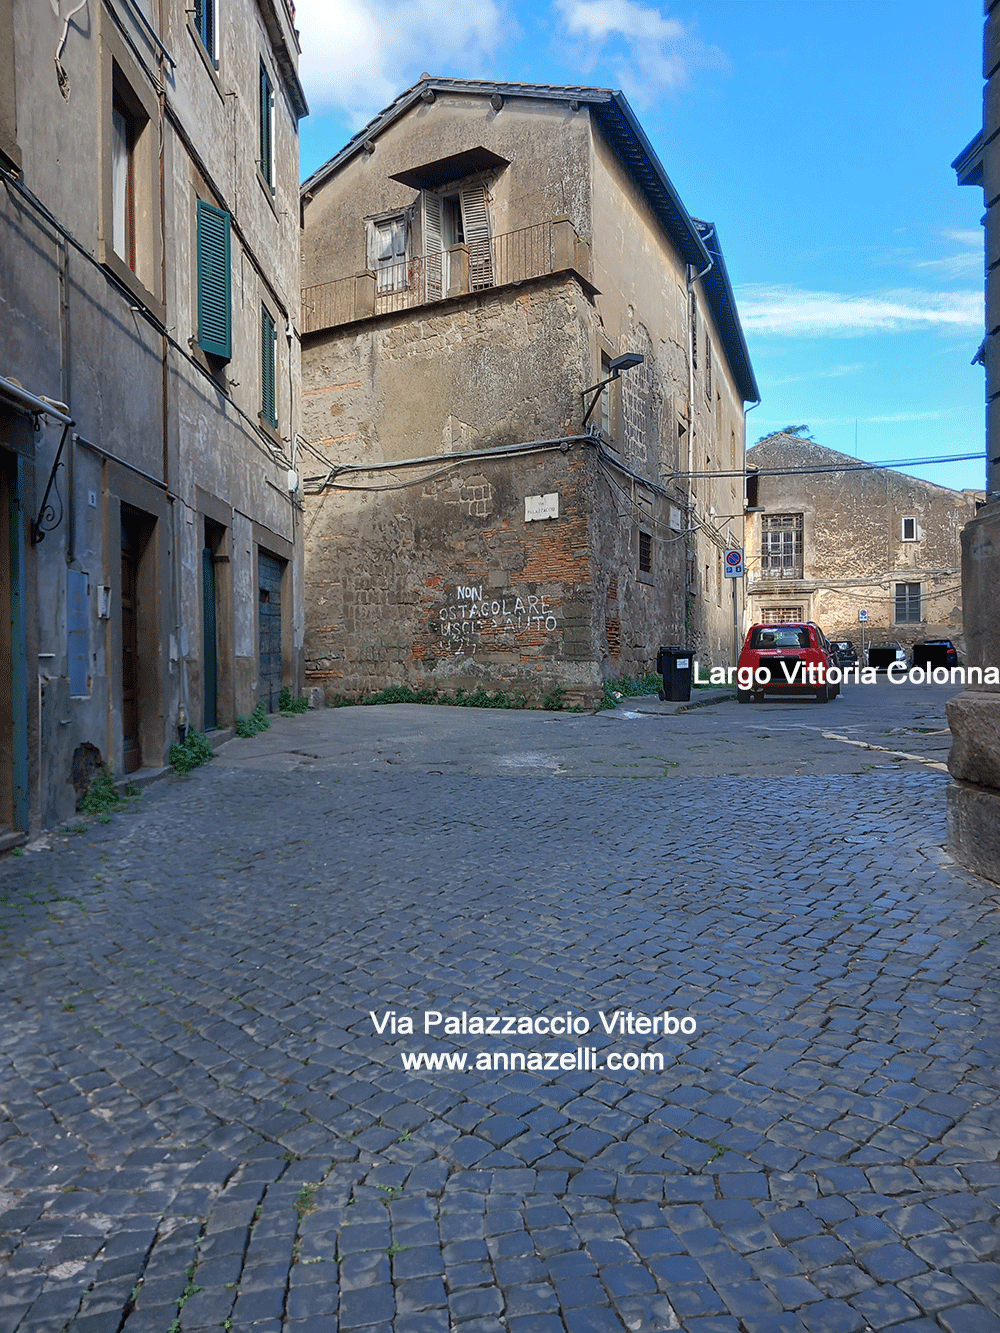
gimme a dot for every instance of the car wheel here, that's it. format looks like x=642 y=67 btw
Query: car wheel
x=824 y=695
x=744 y=696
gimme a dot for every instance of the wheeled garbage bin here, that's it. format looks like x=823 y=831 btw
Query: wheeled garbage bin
x=674 y=665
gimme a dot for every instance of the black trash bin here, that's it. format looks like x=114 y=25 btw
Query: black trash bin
x=674 y=665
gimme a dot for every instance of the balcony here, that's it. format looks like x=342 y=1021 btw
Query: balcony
x=512 y=257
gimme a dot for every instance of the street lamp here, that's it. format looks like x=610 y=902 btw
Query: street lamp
x=627 y=361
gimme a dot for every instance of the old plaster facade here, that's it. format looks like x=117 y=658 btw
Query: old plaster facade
x=149 y=383
x=473 y=260
x=836 y=539
x=974 y=715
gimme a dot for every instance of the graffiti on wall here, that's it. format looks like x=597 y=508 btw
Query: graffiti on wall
x=473 y=613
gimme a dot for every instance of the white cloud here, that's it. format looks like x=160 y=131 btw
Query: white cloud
x=834 y=373
x=357 y=55
x=792 y=312
x=966 y=259
x=648 y=52
x=909 y=416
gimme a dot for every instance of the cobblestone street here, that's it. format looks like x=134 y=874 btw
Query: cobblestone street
x=202 y=1126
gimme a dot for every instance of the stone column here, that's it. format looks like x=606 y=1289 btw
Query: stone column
x=974 y=715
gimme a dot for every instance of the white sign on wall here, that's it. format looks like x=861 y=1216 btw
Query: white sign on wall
x=541 y=506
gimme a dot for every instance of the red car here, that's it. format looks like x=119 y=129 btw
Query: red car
x=787 y=659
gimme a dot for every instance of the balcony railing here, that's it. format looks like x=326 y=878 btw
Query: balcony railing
x=531 y=252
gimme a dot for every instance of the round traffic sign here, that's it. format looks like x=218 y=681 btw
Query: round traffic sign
x=734 y=558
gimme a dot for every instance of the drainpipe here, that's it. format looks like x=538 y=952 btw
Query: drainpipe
x=746 y=562
x=692 y=314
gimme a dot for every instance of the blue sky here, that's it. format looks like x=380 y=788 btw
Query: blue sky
x=816 y=134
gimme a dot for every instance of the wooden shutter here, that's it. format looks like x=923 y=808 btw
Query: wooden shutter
x=215 y=332
x=266 y=128
x=268 y=338
x=476 y=230
x=433 y=240
x=204 y=12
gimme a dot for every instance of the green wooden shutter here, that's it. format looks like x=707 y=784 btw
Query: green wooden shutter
x=268 y=338
x=215 y=319
x=204 y=14
x=266 y=128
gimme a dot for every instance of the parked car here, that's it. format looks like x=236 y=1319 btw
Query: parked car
x=935 y=653
x=847 y=654
x=882 y=655
x=797 y=656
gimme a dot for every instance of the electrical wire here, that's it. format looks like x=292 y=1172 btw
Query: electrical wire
x=259 y=440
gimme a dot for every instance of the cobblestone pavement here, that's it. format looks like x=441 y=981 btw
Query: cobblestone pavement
x=203 y=1128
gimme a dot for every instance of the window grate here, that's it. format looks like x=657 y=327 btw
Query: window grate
x=645 y=553
x=781 y=546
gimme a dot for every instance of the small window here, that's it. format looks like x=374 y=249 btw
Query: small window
x=781 y=615
x=204 y=22
x=215 y=335
x=909 y=529
x=694 y=333
x=907 y=603
x=266 y=118
x=388 y=243
x=708 y=369
x=126 y=128
x=268 y=346
x=645 y=552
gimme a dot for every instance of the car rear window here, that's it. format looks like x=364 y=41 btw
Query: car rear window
x=780 y=636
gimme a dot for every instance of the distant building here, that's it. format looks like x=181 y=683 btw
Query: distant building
x=473 y=260
x=836 y=539
x=149 y=379
x=974 y=799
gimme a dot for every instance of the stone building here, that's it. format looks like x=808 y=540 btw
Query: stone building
x=974 y=798
x=836 y=538
x=149 y=383
x=476 y=258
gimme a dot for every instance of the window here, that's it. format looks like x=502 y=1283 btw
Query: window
x=8 y=93
x=266 y=117
x=909 y=529
x=907 y=604
x=781 y=615
x=645 y=552
x=131 y=242
x=387 y=245
x=781 y=546
x=125 y=131
x=268 y=345
x=215 y=332
x=644 y=514
x=694 y=333
x=708 y=369
x=459 y=218
x=204 y=22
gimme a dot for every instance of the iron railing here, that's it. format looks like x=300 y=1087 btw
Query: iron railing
x=508 y=258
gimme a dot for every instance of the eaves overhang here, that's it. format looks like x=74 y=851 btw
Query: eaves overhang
x=719 y=294
x=968 y=166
